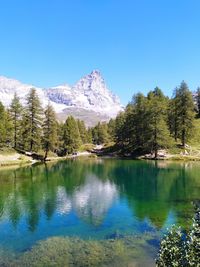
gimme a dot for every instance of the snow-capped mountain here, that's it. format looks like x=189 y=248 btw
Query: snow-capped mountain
x=89 y=97
x=8 y=87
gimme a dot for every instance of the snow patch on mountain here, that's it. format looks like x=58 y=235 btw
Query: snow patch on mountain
x=8 y=87
x=89 y=93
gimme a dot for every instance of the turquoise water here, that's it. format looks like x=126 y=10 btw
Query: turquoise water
x=95 y=199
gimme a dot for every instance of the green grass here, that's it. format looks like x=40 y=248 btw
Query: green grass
x=15 y=163
x=6 y=151
x=86 y=147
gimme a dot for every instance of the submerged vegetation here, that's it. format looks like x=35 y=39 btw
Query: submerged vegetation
x=127 y=205
x=178 y=248
x=76 y=252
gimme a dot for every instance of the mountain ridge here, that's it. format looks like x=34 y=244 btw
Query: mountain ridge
x=89 y=94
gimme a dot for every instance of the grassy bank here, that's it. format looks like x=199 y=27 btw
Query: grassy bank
x=191 y=152
x=9 y=157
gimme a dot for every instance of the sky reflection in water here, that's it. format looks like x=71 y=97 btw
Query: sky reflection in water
x=94 y=199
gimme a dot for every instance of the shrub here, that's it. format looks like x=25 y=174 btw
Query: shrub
x=179 y=249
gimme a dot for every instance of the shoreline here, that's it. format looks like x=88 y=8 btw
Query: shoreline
x=168 y=157
x=16 y=159
x=9 y=161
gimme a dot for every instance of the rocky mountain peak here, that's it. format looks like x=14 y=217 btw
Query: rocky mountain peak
x=89 y=95
x=96 y=73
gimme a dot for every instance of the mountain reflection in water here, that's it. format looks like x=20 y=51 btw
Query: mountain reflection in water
x=91 y=201
x=94 y=199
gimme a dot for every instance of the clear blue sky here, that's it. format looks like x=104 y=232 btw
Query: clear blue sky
x=136 y=44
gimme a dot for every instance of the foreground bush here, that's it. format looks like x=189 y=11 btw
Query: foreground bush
x=179 y=249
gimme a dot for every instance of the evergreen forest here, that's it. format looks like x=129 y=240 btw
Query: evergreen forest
x=147 y=124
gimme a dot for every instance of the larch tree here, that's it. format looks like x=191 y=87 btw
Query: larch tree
x=111 y=129
x=159 y=136
x=100 y=133
x=89 y=135
x=198 y=101
x=49 y=130
x=6 y=127
x=185 y=113
x=16 y=113
x=173 y=115
x=120 y=129
x=71 y=135
x=138 y=123
x=82 y=131
x=32 y=122
x=2 y=125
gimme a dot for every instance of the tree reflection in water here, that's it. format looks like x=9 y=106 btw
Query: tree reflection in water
x=85 y=191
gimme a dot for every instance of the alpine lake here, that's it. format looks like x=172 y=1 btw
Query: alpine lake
x=93 y=212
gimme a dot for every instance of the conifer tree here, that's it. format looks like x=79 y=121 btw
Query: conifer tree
x=100 y=133
x=111 y=129
x=198 y=101
x=71 y=135
x=95 y=135
x=128 y=128
x=185 y=113
x=32 y=122
x=103 y=136
x=159 y=136
x=89 y=135
x=49 y=130
x=6 y=129
x=138 y=123
x=119 y=129
x=16 y=113
x=9 y=128
x=173 y=115
x=2 y=125
x=60 y=134
x=82 y=131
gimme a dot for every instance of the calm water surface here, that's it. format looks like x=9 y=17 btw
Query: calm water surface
x=97 y=199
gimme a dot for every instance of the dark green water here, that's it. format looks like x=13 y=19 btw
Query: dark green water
x=95 y=199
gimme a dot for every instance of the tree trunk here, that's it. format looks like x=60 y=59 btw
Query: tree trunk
x=175 y=134
x=46 y=154
x=155 y=141
x=31 y=146
x=156 y=152
x=183 y=138
x=15 y=135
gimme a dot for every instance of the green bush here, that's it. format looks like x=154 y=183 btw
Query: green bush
x=179 y=249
